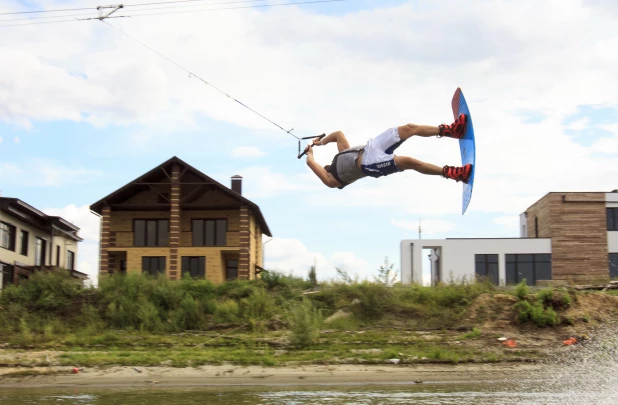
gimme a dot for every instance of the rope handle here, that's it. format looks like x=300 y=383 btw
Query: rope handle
x=307 y=148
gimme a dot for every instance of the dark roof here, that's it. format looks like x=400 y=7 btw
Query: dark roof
x=32 y=216
x=126 y=191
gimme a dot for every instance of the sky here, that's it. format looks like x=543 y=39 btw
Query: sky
x=85 y=110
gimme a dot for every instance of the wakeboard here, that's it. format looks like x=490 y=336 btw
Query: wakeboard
x=466 y=145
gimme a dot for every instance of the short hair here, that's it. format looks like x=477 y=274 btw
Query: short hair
x=327 y=168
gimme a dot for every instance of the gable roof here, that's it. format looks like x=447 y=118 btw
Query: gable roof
x=158 y=173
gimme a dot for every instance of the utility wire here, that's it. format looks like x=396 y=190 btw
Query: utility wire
x=202 y=80
x=95 y=16
x=90 y=14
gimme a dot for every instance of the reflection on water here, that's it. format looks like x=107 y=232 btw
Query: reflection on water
x=584 y=374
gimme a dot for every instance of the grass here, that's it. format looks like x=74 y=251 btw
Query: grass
x=137 y=320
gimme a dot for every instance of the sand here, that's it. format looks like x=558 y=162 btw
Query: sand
x=264 y=376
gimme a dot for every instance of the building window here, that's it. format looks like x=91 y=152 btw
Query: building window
x=209 y=232
x=612 y=219
x=23 y=242
x=150 y=232
x=7 y=236
x=70 y=260
x=41 y=247
x=194 y=265
x=531 y=267
x=57 y=255
x=6 y=272
x=486 y=266
x=536 y=227
x=153 y=265
x=613 y=266
x=231 y=270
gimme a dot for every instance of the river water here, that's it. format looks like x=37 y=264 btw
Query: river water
x=459 y=394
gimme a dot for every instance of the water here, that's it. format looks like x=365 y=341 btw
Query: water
x=431 y=394
x=585 y=374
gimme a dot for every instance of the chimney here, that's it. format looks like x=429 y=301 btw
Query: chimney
x=237 y=184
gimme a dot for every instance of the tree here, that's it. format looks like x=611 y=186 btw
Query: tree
x=313 y=279
x=386 y=274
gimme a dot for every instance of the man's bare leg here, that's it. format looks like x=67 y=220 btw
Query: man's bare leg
x=408 y=130
x=408 y=163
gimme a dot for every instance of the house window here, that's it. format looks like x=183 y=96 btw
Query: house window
x=194 y=265
x=39 y=258
x=209 y=232
x=231 y=270
x=536 y=227
x=153 y=265
x=70 y=260
x=613 y=266
x=58 y=256
x=612 y=219
x=6 y=272
x=531 y=267
x=7 y=236
x=487 y=266
x=150 y=232
x=23 y=242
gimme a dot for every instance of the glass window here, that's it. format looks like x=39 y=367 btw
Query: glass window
x=70 y=260
x=526 y=271
x=23 y=242
x=232 y=270
x=194 y=265
x=613 y=265
x=612 y=219
x=7 y=236
x=209 y=232
x=153 y=265
x=151 y=232
x=6 y=271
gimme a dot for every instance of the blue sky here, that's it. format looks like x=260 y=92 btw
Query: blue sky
x=85 y=110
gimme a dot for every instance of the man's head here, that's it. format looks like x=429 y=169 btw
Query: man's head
x=327 y=168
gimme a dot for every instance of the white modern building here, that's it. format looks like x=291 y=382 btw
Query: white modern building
x=564 y=236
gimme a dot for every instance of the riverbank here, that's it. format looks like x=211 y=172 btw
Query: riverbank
x=230 y=375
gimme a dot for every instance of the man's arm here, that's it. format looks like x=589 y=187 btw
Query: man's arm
x=319 y=171
x=337 y=136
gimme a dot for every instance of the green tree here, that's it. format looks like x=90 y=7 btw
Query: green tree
x=386 y=274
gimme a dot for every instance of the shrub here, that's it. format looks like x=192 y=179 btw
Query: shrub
x=304 y=320
x=258 y=308
x=522 y=290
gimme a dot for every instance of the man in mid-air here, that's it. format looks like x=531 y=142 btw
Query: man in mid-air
x=376 y=158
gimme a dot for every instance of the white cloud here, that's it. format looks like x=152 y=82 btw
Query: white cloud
x=248 y=151
x=511 y=222
x=579 y=124
x=428 y=226
x=89 y=224
x=291 y=256
x=44 y=172
x=263 y=182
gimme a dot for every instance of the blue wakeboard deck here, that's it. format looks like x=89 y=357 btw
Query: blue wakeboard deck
x=466 y=145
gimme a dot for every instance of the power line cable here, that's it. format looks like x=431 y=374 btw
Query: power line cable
x=158 y=13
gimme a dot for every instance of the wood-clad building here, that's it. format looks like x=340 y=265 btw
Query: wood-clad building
x=577 y=224
x=174 y=220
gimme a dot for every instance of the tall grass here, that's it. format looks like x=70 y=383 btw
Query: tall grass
x=52 y=303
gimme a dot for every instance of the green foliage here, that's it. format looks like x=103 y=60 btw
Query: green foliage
x=258 y=308
x=386 y=274
x=522 y=290
x=313 y=279
x=304 y=321
x=537 y=313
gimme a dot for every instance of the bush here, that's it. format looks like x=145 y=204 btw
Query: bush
x=304 y=320
x=522 y=290
x=258 y=308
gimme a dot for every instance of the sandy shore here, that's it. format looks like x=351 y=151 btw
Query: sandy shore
x=263 y=376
